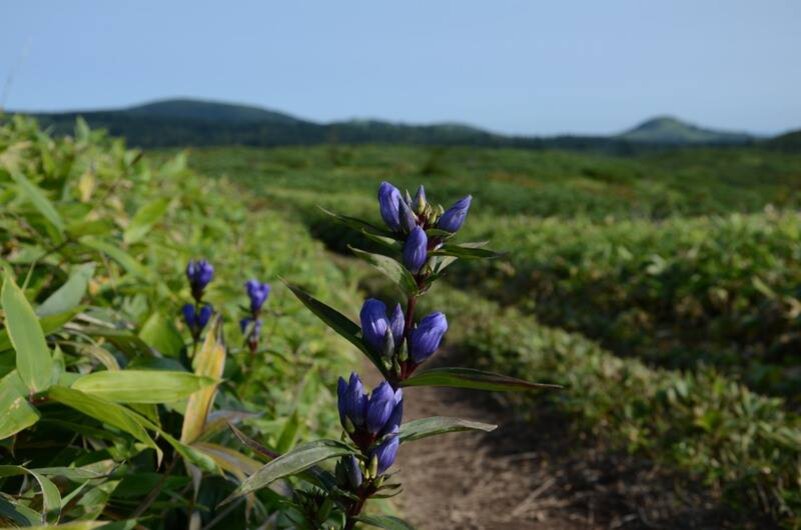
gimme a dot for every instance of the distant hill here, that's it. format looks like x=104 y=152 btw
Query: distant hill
x=670 y=130
x=189 y=122
x=790 y=141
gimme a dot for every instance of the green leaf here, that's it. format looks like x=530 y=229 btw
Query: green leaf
x=387 y=522
x=339 y=323
x=49 y=324
x=103 y=411
x=358 y=224
x=17 y=414
x=475 y=379
x=160 y=333
x=466 y=251
x=122 y=339
x=51 y=498
x=288 y=434
x=299 y=459
x=18 y=513
x=117 y=254
x=425 y=427
x=141 y=386
x=69 y=295
x=39 y=200
x=144 y=219
x=391 y=268
x=34 y=363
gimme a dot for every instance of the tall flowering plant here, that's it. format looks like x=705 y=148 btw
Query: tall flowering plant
x=416 y=245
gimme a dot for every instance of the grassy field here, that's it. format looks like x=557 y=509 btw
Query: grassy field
x=663 y=290
x=683 y=265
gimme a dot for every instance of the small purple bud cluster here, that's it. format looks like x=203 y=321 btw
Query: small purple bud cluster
x=372 y=422
x=403 y=348
x=251 y=325
x=197 y=315
x=411 y=218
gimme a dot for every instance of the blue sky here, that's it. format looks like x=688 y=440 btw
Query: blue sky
x=529 y=67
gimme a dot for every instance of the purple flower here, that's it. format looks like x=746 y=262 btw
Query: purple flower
x=199 y=273
x=453 y=219
x=386 y=451
x=258 y=293
x=352 y=401
x=425 y=339
x=365 y=418
x=196 y=321
x=415 y=250
x=378 y=328
x=408 y=220
x=379 y=407
x=389 y=199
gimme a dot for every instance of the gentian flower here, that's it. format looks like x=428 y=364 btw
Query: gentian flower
x=425 y=339
x=389 y=199
x=385 y=452
x=365 y=418
x=453 y=218
x=378 y=329
x=199 y=273
x=196 y=321
x=395 y=211
x=258 y=293
x=415 y=250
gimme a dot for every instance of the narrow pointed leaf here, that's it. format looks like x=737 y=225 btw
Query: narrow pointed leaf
x=51 y=497
x=425 y=427
x=299 y=459
x=69 y=295
x=144 y=219
x=358 y=224
x=50 y=324
x=467 y=252
x=16 y=413
x=141 y=386
x=391 y=268
x=39 y=200
x=475 y=379
x=339 y=323
x=209 y=362
x=34 y=363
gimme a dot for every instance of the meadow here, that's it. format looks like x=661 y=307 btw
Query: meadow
x=662 y=290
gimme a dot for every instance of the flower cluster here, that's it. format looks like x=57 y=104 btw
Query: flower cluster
x=197 y=315
x=402 y=347
x=371 y=421
x=411 y=218
x=251 y=325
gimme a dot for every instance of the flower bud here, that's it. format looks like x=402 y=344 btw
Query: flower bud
x=384 y=454
x=352 y=400
x=199 y=273
x=203 y=316
x=375 y=323
x=408 y=220
x=396 y=324
x=258 y=293
x=354 y=471
x=389 y=200
x=415 y=250
x=419 y=202
x=425 y=339
x=453 y=219
x=188 y=311
x=380 y=407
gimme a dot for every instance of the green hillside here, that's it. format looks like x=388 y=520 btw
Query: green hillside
x=670 y=130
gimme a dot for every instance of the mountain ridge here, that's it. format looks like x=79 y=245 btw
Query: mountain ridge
x=187 y=121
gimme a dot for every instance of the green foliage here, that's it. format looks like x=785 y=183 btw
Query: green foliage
x=106 y=403
x=702 y=422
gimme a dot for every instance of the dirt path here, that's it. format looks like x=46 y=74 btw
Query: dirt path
x=537 y=476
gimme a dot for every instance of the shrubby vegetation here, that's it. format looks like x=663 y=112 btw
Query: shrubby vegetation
x=97 y=241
